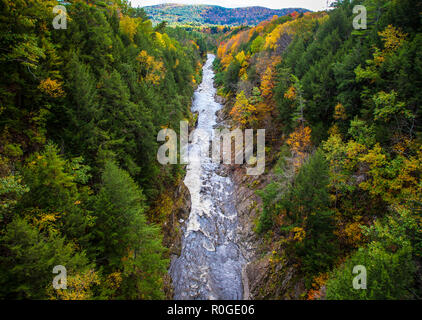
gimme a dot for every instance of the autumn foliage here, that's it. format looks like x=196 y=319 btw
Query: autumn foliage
x=300 y=144
x=343 y=107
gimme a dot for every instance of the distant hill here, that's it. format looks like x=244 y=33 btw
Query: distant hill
x=213 y=15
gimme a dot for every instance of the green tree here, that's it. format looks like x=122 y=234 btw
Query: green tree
x=125 y=241
x=388 y=259
x=28 y=257
x=257 y=44
x=389 y=275
x=56 y=194
x=231 y=77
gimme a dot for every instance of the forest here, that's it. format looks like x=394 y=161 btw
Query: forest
x=81 y=107
x=343 y=118
x=206 y=15
x=80 y=110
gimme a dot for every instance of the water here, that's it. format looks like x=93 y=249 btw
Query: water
x=210 y=264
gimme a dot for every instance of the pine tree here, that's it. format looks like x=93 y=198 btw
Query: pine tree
x=125 y=241
x=26 y=269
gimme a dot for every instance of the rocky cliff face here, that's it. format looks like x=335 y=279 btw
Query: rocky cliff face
x=246 y=205
x=180 y=212
x=262 y=278
x=172 y=228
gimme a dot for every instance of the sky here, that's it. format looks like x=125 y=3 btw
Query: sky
x=314 y=5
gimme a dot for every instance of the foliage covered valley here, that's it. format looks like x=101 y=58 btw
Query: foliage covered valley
x=80 y=110
x=342 y=109
x=202 y=15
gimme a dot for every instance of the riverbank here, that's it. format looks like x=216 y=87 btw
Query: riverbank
x=261 y=278
x=210 y=262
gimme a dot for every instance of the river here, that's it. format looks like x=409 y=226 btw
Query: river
x=210 y=264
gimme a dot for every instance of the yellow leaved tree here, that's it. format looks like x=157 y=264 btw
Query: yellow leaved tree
x=79 y=287
x=300 y=144
x=243 y=112
x=151 y=70
x=129 y=26
x=52 y=88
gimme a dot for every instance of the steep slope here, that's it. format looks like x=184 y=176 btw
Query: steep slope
x=341 y=188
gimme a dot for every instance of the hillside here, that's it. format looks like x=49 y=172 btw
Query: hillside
x=341 y=188
x=277 y=161
x=213 y=15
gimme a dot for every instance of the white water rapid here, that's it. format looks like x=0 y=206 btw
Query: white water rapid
x=210 y=264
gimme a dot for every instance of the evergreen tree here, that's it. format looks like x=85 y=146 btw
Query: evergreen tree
x=125 y=241
x=28 y=258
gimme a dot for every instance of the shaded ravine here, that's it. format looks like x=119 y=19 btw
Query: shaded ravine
x=210 y=264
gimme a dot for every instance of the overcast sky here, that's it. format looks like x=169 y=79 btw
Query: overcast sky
x=313 y=5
